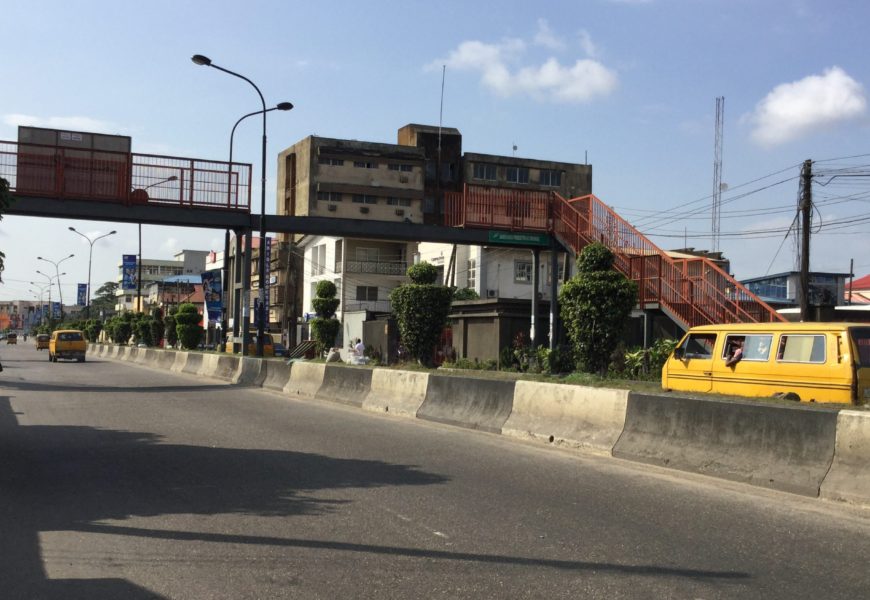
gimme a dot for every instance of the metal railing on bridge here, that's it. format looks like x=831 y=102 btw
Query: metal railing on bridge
x=42 y=171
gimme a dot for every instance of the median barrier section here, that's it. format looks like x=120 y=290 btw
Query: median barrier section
x=193 y=364
x=396 y=392
x=247 y=371
x=113 y=351
x=483 y=404
x=305 y=379
x=148 y=357
x=123 y=353
x=165 y=360
x=347 y=385
x=849 y=477
x=568 y=415
x=180 y=361
x=273 y=375
x=784 y=448
x=220 y=366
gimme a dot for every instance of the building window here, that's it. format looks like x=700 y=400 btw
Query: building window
x=522 y=271
x=518 y=174
x=400 y=167
x=550 y=178
x=367 y=254
x=364 y=164
x=329 y=196
x=366 y=293
x=471 y=266
x=318 y=260
x=334 y=162
x=365 y=199
x=398 y=201
x=484 y=172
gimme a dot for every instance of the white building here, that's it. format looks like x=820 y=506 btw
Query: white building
x=186 y=262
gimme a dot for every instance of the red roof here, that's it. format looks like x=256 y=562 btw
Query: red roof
x=859 y=284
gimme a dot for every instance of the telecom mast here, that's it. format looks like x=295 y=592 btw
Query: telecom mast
x=717 y=171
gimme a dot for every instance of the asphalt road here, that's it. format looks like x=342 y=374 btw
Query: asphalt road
x=118 y=481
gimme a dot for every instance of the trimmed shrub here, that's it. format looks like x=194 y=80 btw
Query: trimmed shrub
x=188 y=326
x=421 y=311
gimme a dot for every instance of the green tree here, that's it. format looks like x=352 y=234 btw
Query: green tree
x=325 y=327
x=158 y=327
x=421 y=310
x=595 y=304
x=170 y=330
x=188 y=326
x=460 y=294
x=104 y=299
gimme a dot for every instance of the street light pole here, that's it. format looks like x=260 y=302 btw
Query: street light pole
x=51 y=278
x=280 y=106
x=90 y=256
x=58 y=274
x=205 y=61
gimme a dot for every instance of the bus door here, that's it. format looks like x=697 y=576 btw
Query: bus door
x=691 y=364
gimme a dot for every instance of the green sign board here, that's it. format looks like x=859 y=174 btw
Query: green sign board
x=525 y=239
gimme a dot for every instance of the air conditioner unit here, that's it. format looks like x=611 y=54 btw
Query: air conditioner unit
x=400 y=212
x=364 y=209
x=492 y=293
x=330 y=207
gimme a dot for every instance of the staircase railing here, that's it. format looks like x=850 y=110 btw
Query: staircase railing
x=694 y=290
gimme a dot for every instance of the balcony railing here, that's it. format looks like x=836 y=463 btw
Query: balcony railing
x=399 y=268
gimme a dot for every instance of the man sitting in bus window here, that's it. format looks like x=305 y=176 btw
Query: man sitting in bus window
x=735 y=352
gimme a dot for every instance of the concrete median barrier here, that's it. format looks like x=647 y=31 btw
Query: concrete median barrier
x=396 y=392
x=273 y=375
x=347 y=385
x=483 y=404
x=849 y=477
x=249 y=371
x=575 y=416
x=220 y=366
x=193 y=364
x=305 y=379
x=148 y=357
x=784 y=448
x=180 y=361
x=165 y=360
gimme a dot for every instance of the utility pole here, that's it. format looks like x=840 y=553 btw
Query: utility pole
x=806 y=203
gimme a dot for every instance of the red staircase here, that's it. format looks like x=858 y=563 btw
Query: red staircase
x=691 y=291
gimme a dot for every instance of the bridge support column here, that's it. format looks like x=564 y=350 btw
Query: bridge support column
x=246 y=292
x=554 y=298
x=536 y=284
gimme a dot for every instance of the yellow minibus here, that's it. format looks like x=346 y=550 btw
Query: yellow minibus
x=811 y=362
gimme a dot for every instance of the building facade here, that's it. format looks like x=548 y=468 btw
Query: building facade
x=186 y=262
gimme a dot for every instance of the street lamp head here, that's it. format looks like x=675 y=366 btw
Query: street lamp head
x=113 y=232
x=72 y=229
x=201 y=60
x=284 y=106
x=172 y=178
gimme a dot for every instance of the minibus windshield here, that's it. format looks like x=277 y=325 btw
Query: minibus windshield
x=861 y=339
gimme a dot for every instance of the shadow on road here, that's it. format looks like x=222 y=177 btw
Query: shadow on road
x=59 y=478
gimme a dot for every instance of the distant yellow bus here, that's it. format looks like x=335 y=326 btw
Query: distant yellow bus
x=811 y=362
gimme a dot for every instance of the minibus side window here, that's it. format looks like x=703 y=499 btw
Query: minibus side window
x=757 y=347
x=700 y=345
x=801 y=348
x=861 y=338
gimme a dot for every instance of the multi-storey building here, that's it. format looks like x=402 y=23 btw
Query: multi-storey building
x=324 y=177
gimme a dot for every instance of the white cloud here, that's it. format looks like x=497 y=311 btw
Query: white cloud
x=70 y=123
x=580 y=82
x=546 y=38
x=813 y=103
x=587 y=44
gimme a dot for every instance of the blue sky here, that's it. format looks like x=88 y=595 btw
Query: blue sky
x=630 y=84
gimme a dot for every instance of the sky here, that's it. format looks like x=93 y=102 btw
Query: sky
x=628 y=85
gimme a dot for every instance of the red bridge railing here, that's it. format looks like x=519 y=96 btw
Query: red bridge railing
x=34 y=170
x=695 y=291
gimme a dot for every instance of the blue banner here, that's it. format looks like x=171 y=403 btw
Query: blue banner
x=129 y=272
x=81 y=300
x=212 y=291
x=55 y=310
